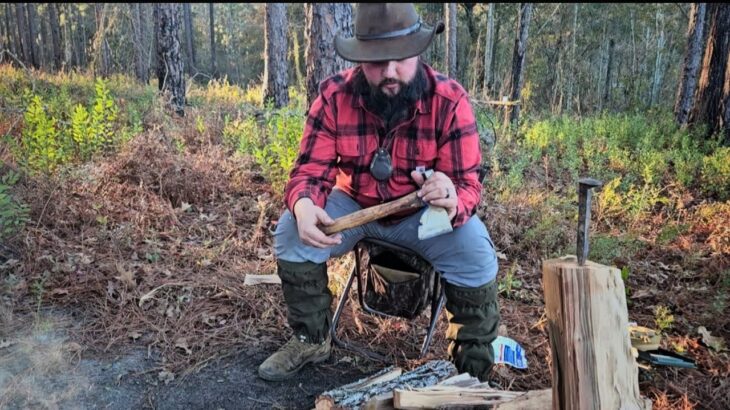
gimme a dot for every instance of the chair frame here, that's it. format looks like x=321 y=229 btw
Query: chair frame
x=437 y=303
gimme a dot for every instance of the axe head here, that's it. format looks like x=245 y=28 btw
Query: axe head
x=434 y=222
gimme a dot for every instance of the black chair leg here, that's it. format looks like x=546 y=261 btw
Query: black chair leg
x=436 y=308
x=336 y=320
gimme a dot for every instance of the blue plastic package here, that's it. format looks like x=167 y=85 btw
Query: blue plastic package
x=509 y=352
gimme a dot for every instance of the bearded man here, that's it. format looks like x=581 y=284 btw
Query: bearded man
x=368 y=130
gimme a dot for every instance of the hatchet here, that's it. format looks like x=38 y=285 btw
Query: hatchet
x=434 y=221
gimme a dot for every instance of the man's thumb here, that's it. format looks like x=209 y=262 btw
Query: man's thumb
x=324 y=218
x=417 y=177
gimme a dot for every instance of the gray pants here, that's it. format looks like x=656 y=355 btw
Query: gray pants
x=465 y=257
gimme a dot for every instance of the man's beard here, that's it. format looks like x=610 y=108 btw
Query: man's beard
x=392 y=109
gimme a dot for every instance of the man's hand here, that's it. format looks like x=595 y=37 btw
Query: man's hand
x=308 y=216
x=438 y=190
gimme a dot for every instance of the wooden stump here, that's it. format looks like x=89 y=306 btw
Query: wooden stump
x=592 y=365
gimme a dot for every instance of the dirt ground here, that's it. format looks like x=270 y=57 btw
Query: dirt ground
x=41 y=367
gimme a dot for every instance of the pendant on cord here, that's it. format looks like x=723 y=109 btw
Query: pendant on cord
x=381 y=167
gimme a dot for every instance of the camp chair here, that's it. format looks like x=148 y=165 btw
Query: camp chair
x=392 y=281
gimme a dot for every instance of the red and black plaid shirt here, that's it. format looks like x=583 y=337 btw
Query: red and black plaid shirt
x=341 y=137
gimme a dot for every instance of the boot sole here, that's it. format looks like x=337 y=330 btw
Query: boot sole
x=285 y=376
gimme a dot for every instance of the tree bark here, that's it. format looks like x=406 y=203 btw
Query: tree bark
x=691 y=66
x=141 y=68
x=68 y=37
x=573 y=70
x=276 y=75
x=189 y=44
x=168 y=50
x=488 y=49
x=81 y=53
x=450 y=17
x=660 y=43
x=22 y=33
x=323 y=20
x=712 y=89
x=512 y=113
x=55 y=35
x=213 y=65
x=609 y=64
x=296 y=57
x=30 y=12
x=496 y=82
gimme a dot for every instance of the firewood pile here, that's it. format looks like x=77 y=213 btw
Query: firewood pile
x=434 y=384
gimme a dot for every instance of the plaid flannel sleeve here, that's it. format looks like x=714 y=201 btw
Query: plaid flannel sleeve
x=460 y=158
x=314 y=172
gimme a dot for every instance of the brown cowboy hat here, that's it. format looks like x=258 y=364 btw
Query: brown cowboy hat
x=386 y=31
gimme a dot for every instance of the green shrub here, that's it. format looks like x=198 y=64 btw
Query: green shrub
x=716 y=174
x=47 y=142
x=272 y=139
x=42 y=146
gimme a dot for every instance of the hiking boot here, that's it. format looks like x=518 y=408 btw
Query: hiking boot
x=293 y=356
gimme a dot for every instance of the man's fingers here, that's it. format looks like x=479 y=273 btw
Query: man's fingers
x=319 y=239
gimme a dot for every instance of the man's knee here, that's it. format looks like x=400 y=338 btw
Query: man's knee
x=466 y=257
x=289 y=247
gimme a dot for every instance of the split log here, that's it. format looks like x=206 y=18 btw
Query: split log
x=359 y=393
x=592 y=366
x=253 y=280
x=445 y=396
x=532 y=400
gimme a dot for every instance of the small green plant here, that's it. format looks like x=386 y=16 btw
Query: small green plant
x=509 y=284
x=199 y=125
x=13 y=215
x=663 y=318
x=41 y=146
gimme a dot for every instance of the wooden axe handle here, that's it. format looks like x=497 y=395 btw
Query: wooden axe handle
x=373 y=213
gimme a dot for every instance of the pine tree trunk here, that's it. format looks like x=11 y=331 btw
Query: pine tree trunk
x=189 y=44
x=168 y=49
x=276 y=75
x=512 y=113
x=450 y=17
x=323 y=20
x=68 y=38
x=573 y=68
x=5 y=30
x=13 y=38
x=45 y=46
x=488 y=49
x=48 y=41
x=660 y=43
x=213 y=65
x=141 y=69
x=609 y=64
x=81 y=53
x=80 y=37
x=55 y=35
x=22 y=33
x=32 y=32
x=710 y=106
x=691 y=66
x=297 y=59
x=496 y=81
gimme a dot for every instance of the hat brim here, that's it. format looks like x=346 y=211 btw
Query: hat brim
x=359 y=51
